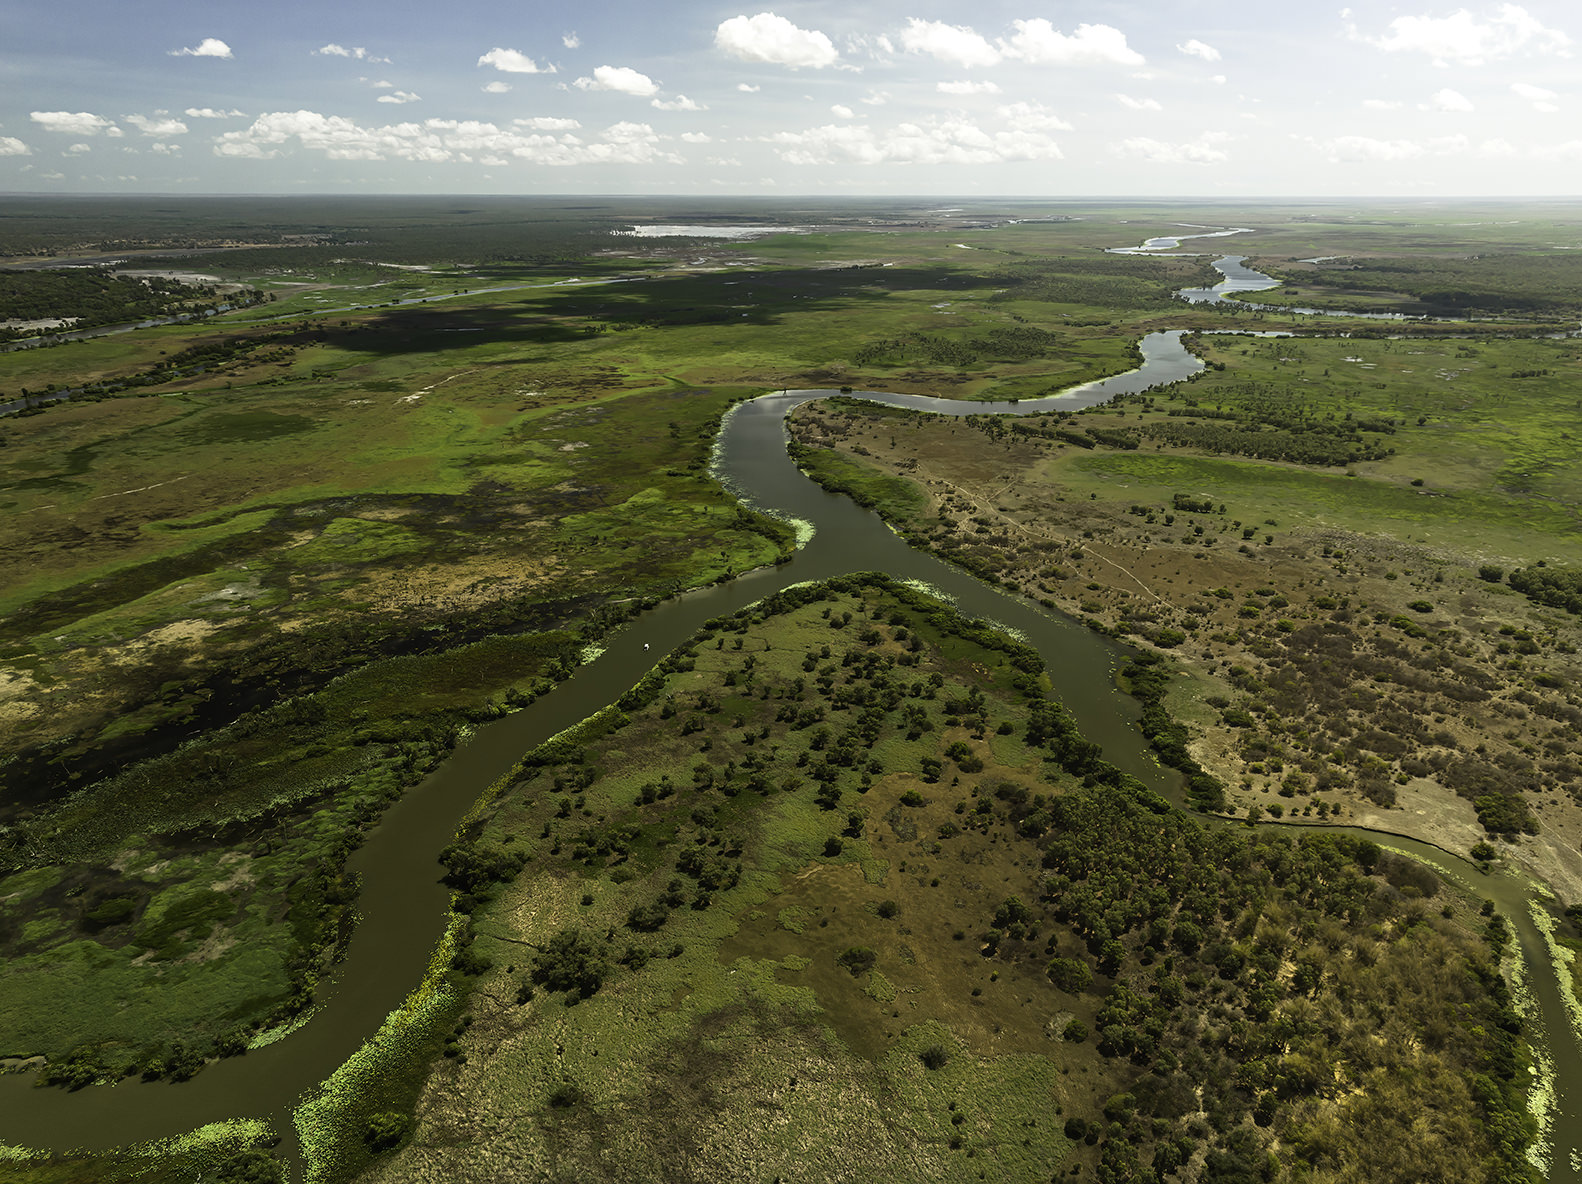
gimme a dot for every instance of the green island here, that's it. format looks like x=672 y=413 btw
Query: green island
x=846 y=850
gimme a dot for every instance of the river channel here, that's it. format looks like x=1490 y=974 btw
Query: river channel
x=403 y=904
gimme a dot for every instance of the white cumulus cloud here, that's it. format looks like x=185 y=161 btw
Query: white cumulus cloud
x=157 y=127
x=357 y=53
x=509 y=61
x=623 y=79
x=1032 y=117
x=400 y=96
x=79 y=149
x=748 y=88
x=11 y=146
x=1369 y=150
x=1138 y=104
x=435 y=141
x=497 y=87
x=209 y=47
x=1450 y=100
x=211 y=113
x=1196 y=49
x=773 y=39
x=1462 y=37
x=841 y=111
x=547 y=123
x=570 y=40
x=72 y=123
x=967 y=88
x=1542 y=98
x=1204 y=150
x=949 y=43
x=1039 y=42
x=679 y=103
x=696 y=138
x=938 y=142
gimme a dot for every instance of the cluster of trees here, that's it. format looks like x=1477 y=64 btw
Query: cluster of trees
x=1016 y=343
x=1555 y=586
x=1314 y=718
x=1479 y=285
x=1107 y=282
x=1315 y=444
x=1146 y=678
x=92 y=297
x=1242 y=976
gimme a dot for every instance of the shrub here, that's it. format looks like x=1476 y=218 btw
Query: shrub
x=934 y=1056
x=386 y=1130
x=1069 y=974
x=572 y=961
x=857 y=959
x=647 y=917
x=565 y=1095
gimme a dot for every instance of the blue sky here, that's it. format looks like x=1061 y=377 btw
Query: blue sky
x=1164 y=97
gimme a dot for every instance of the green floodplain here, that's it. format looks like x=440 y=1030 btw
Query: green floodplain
x=844 y=853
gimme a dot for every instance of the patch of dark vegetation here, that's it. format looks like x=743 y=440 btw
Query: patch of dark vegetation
x=1556 y=587
x=181 y=702
x=1146 y=678
x=91 y=297
x=1485 y=284
x=1107 y=282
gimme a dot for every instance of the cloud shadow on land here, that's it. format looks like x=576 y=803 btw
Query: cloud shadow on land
x=756 y=298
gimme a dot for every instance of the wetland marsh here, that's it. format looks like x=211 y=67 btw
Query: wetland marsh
x=367 y=547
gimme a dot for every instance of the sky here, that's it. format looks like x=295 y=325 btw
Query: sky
x=996 y=98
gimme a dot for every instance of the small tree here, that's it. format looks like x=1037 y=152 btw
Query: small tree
x=1071 y=975
x=857 y=959
x=572 y=961
x=386 y=1130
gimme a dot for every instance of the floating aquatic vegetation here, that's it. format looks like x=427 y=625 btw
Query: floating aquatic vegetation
x=320 y=1116
x=216 y=1139
x=803 y=528
x=928 y=589
x=280 y=1031
x=1541 y=1105
x=1561 y=958
x=1010 y=631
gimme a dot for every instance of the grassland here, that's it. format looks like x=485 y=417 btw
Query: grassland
x=873 y=874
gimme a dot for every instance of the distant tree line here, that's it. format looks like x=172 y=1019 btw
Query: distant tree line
x=91 y=297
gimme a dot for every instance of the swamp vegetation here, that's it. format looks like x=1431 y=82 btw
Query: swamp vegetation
x=843 y=853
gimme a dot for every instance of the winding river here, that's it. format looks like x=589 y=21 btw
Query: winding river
x=404 y=905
